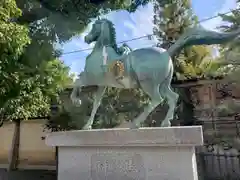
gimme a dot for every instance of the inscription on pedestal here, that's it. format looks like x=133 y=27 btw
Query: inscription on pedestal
x=117 y=166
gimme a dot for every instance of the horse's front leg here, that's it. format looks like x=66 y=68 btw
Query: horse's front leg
x=97 y=101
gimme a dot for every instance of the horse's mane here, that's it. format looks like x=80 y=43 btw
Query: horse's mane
x=112 y=30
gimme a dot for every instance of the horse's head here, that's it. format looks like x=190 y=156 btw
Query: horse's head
x=102 y=28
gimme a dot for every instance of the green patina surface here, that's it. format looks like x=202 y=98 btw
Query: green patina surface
x=150 y=69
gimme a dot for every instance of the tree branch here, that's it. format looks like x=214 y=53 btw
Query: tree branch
x=32 y=16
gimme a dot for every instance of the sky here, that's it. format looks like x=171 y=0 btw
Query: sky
x=140 y=23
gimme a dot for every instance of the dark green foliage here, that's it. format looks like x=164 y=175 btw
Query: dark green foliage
x=120 y=105
x=37 y=91
x=13 y=40
x=28 y=83
x=66 y=18
x=232 y=22
x=57 y=21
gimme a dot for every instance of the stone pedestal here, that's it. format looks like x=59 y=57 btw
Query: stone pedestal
x=125 y=154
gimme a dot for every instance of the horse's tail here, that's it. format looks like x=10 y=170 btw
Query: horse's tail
x=201 y=36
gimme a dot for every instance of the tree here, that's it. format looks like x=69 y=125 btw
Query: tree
x=55 y=21
x=38 y=91
x=230 y=69
x=229 y=53
x=26 y=91
x=120 y=105
x=76 y=13
x=13 y=41
x=171 y=19
x=198 y=63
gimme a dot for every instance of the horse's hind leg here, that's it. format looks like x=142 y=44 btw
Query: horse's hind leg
x=74 y=95
x=153 y=91
x=172 y=99
x=97 y=101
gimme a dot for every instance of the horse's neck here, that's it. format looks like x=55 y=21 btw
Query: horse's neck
x=100 y=44
x=110 y=52
x=106 y=39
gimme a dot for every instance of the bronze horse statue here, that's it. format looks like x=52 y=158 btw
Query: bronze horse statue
x=150 y=69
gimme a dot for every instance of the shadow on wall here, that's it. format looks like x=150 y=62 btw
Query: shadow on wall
x=27 y=175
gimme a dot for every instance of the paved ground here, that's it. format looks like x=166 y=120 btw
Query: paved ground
x=27 y=175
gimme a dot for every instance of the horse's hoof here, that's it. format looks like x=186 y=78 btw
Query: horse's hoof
x=87 y=127
x=134 y=126
x=77 y=102
x=165 y=124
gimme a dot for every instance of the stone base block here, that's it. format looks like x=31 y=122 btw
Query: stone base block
x=126 y=154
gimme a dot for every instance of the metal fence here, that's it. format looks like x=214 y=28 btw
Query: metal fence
x=218 y=166
x=219 y=158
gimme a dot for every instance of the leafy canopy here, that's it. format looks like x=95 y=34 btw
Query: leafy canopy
x=26 y=90
x=13 y=40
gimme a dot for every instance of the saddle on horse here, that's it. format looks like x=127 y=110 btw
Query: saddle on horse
x=115 y=67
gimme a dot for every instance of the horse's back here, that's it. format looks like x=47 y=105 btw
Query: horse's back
x=151 y=51
x=150 y=63
x=150 y=56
